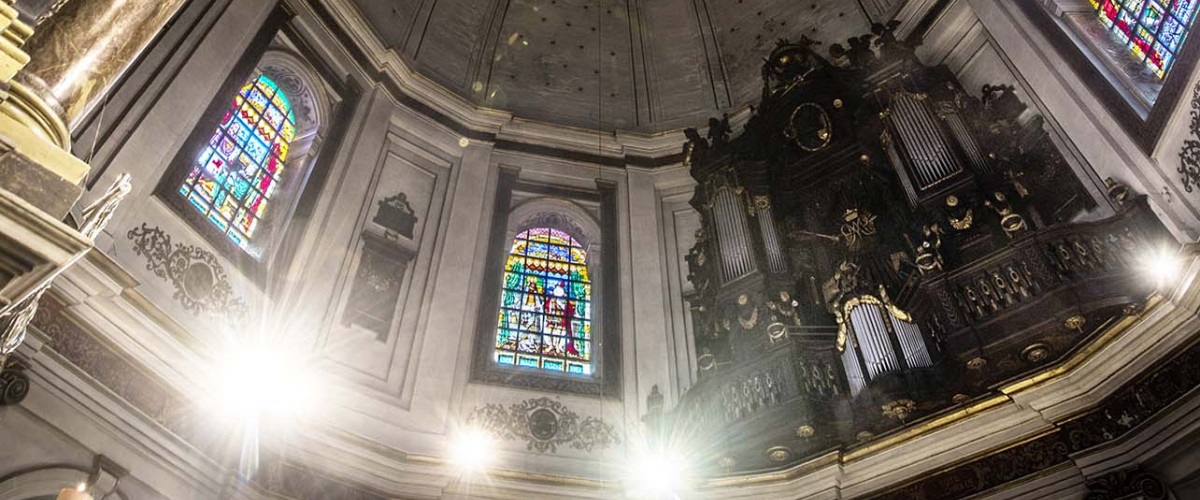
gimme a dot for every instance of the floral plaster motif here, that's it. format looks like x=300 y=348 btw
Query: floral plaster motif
x=544 y=424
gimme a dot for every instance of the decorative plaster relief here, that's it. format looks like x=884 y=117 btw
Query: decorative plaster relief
x=544 y=424
x=1189 y=156
x=201 y=284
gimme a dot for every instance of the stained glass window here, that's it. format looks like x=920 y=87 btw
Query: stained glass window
x=546 y=305
x=1153 y=30
x=233 y=179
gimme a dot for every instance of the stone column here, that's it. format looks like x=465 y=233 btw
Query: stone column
x=77 y=53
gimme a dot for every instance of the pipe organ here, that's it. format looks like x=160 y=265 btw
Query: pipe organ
x=920 y=150
x=854 y=238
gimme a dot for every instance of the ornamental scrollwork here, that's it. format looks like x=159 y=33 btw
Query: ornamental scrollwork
x=201 y=284
x=544 y=424
x=1189 y=156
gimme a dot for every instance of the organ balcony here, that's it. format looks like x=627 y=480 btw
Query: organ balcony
x=879 y=245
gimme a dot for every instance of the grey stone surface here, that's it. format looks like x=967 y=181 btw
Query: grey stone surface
x=36 y=185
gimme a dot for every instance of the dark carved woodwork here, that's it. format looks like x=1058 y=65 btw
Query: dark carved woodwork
x=375 y=294
x=396 y=215
x=873 y=180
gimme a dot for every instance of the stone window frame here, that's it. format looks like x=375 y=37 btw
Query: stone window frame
x=326 y=100
x=1145 y=125
x=556 y=207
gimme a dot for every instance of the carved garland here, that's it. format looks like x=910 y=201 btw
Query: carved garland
x=201 y=284
x=545 y=424
x=1189 y=156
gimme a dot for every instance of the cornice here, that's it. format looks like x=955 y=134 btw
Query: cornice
x=343 y=21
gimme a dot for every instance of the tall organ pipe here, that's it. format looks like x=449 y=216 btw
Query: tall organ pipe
x=733 y=233
x=920 y=136
x=776 y=263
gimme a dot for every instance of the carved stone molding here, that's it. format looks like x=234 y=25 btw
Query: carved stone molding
x=1129 y=483
x=201 y=284
x=544 y=424
x=14 y=384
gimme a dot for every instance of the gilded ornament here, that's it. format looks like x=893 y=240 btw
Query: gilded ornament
x=776 y=331
x=805 y=431
x=779 y=454
x=1010 y=221
x=899 y=409
x=965 y=222
x=762 y=203
x=751 y=322
x=1117 y=192
x=976 y=363
x=1036 y=353
x=837 y=103
x=809 y=127
x=1133 y=309
x=951 y=201
x=864 y=436
x=1075 y=322
x=856 y=226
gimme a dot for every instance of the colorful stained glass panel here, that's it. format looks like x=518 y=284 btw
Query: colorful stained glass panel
x=237 y=174
x=1153 y=30
x=545 y=308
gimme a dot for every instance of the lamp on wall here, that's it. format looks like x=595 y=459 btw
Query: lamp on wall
x=79 y=492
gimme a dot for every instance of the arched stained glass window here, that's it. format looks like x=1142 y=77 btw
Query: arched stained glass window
x=546 y=305
x=1153 y=30
x=235 y=175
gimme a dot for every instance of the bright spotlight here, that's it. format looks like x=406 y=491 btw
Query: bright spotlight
x=659 y=475
x=260 y=380
x=472 y=450
x=1161 y=266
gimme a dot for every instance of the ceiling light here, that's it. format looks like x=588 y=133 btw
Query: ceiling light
x=471 y=450
x=658 y=474
x=1161 y=266
x=261 y=380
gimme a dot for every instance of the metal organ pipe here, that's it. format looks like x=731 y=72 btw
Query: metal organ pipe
x=926 y=128
x=776 y=263
x=964 y=138
x=913 y=344
x=894 y=155
x=867 y=322
x=733 y=231
x=921 y=138
x=854 y=373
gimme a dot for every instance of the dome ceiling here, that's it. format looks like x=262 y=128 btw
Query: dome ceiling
x=646 y=65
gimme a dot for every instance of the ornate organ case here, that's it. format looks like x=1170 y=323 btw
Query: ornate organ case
x=871 y=238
